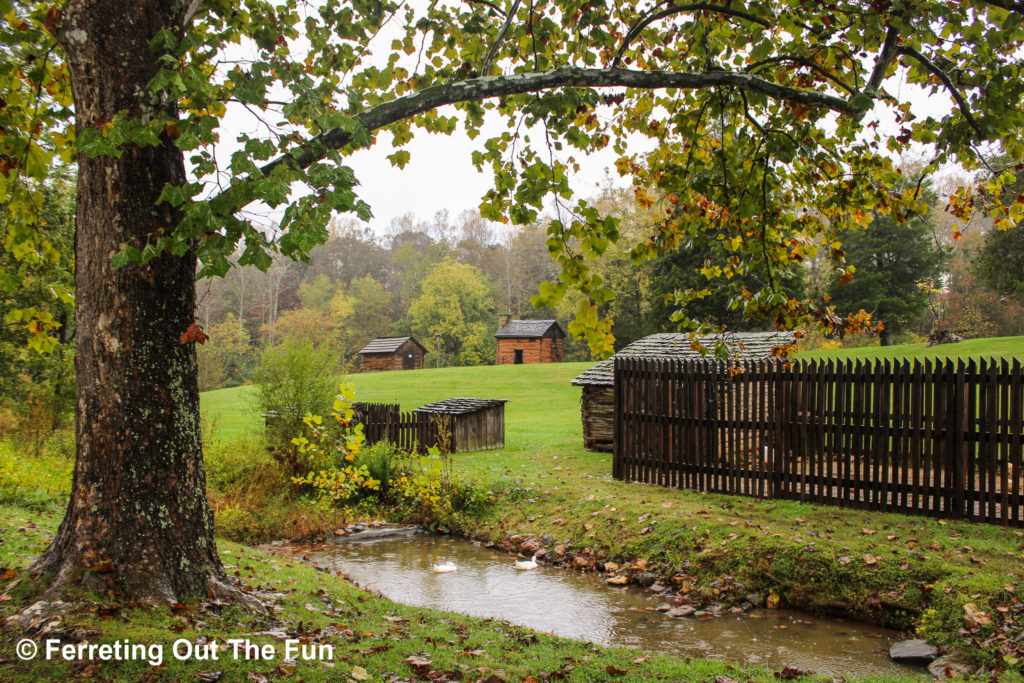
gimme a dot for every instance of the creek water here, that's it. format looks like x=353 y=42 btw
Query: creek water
x=575 y=605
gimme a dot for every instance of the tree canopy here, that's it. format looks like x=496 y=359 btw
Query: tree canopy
x=758 y=112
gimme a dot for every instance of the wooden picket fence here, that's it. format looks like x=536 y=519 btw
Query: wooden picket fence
x=408 y=431
x=938 y=437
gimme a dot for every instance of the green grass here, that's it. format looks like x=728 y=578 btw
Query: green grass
x=998 y=347
x=893 y=569
x=543 y=406
x=230 y=414
x=908 y=572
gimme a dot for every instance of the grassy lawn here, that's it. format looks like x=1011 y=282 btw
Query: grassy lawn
x=908 y=572
x=999 y=347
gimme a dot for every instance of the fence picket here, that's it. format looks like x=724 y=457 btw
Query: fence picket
x=940 y=438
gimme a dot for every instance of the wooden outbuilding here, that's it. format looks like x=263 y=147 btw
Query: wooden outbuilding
x=598 y=400
x=392 y=353
x=475 y=424
x=529 y=341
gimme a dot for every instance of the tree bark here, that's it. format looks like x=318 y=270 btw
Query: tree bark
x=884 y=338
x=138 y=519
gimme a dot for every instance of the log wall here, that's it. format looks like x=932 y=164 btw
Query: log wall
x=598 y=410
x=543 y=350
x=383 y=362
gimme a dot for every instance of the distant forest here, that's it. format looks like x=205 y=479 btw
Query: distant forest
x=445 y=281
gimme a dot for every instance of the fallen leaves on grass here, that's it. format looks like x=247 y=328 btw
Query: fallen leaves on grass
x=791 y=674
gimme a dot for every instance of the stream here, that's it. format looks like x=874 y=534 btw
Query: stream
x=576 y=605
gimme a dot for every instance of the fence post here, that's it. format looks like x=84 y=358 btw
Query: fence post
x=955 y=432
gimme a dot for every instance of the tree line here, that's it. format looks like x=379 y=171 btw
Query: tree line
x=444 y=280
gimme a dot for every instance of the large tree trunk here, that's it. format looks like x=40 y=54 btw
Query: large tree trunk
x=138 y=518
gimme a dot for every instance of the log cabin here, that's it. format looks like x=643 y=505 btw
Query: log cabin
x=392 y=353
x=598 y=400
x=528 y=341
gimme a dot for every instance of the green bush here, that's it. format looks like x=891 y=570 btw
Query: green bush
x=294 y=379
x=388 y=465
x=335 y=464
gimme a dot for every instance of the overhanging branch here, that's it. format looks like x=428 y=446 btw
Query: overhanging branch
x=885 y=58
x=485 y=66
x=494 y=7
x=803 y=61
x=563 y=77
x=646 y=21
x=934 y=69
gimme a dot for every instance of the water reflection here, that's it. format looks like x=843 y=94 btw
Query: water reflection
x=575 y=605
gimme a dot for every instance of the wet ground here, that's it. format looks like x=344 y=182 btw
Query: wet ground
x=575 y=605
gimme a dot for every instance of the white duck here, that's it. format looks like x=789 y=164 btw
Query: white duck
x=444 y=567
x=527 y=564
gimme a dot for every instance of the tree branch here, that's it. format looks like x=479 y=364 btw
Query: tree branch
x=475 y=89
x=803 y=61
x=1007 y=5
x=485 y=66
x=946 y=81
x=885 y=58
x=644 y=22
x=494 y=7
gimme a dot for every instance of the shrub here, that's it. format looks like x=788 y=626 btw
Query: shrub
x=343 y=473
x=253 y=498
x=294 y=379
x=389 y=465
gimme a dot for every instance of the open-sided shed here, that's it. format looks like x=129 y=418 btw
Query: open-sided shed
x=392 y=353
x=598 y=381
x=476 y=423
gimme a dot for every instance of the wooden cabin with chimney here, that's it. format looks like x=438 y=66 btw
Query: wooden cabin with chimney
x=598 y=382
x=392 y=353
x=529 y=341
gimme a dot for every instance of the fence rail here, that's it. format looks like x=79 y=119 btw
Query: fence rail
x=938 y=437
x=408 y=431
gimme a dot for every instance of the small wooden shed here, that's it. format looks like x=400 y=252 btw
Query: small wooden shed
x=598 y=382
x=392 y=353
x=529 y=341
x=476 y=423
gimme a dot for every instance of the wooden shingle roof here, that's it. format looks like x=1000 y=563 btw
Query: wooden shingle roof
x=388 y=345
x=459 y=406
x=744 y=346
x=527 y=329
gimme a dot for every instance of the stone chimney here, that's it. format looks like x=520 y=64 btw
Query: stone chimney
x=504 y=319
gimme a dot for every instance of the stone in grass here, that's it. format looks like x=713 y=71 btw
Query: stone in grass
x=951 y=667
x=914 y=650
x=975 y=617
